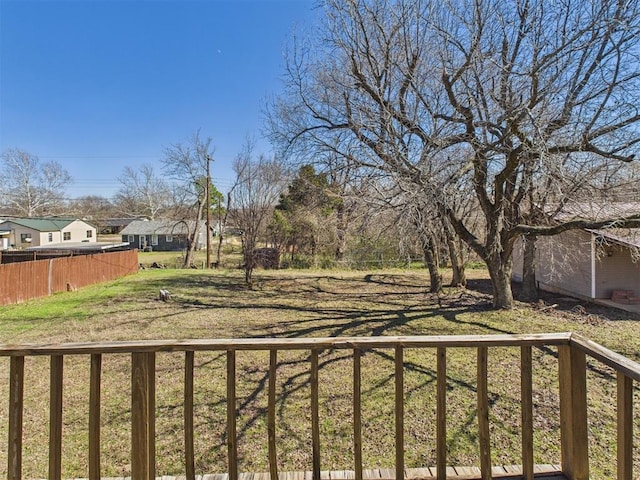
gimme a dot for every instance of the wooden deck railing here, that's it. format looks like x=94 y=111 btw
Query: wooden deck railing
x=572 y=351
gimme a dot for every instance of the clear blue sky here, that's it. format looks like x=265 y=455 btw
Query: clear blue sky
x=100 y=84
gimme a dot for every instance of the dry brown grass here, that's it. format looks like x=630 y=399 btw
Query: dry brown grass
x=302 y=304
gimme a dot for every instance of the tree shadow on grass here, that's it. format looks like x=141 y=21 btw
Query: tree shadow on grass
x=318 y=313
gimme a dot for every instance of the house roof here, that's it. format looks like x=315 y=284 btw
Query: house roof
x=628 y=237
x=117 y=222
x=80 y=246
x=598 y=210
x=158 y=227
x=42 y=224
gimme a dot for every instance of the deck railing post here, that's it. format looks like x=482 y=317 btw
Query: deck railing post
x=143 y=416
x=189 y=455
x=399 y=410
x=232 y=441
x=16 y=409
x=483 y=413
x=271 y=415
x=526 y=401
x=94 y=416
x=441 y=414
x=315 y=416
x=357 y=412
x=55 y=418
x=573 y=412
x=625 y=427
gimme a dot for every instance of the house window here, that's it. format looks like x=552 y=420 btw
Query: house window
x=169 y=238
x=50 y=236
x=131 y=238
x=25 y=238
x=154 y=239
x=66 y=236
x=89 y=233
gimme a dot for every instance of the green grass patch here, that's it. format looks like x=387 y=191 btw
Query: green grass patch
x=295 y=304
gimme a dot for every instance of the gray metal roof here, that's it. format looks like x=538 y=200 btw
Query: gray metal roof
x=117 y=222
x=159 y=227
x=42 y=224
x=628 y=237
x=90 y=246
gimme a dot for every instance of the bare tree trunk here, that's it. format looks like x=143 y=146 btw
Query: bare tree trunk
x=248 y=249
x=432 y=263
x=248 y=273
x=314 y=250
x=341 y=232
x=221 y=224
x=188 y=258
x=529 y=284
x=459 y=277
x=219 y=249
x=500 y=273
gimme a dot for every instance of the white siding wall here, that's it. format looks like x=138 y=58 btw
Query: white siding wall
x=615 y=270
x=78 y=230
x=563 y=263
x=19 y=231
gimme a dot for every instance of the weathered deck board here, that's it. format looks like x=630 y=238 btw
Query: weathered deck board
x=513 y=472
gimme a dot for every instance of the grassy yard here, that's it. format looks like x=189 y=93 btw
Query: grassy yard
x=215 y=304
x=231 y=256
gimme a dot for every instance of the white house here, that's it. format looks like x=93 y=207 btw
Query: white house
x=20 y=233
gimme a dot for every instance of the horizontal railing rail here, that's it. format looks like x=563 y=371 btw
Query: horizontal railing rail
x=221 y=344
x=572 y=352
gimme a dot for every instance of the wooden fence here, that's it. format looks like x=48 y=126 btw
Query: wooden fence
x=23 y=281
x=572 y=374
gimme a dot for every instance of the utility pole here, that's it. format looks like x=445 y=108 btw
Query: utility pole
x=208 y=200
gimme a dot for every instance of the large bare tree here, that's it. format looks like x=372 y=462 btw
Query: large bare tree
x=513 y=101
x=30 y=187
x=185 y=164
